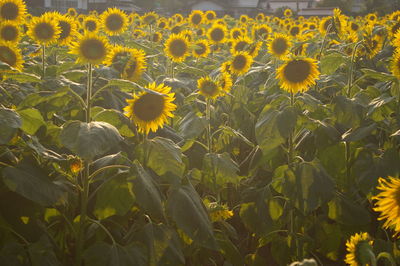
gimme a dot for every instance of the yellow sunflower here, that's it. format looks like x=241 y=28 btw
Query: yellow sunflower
x=44 y=30
x=150 y=111
x=209 y=88
x=240 y=44
x=236 y=32
x=388 y=203
x=136 y=65
x=11 y=55
x=395 y=65
x=118 y=57
x=260 y=17
x=217 y=33
x=218 y=212
x=261 y=32
x=225 y=82
x=279 y=45
x=91 y=48
x=226 y=67
x=294 y=30
x=196 y=18
x=72 y=12
x=156 y=37
x=149 y=18
x=240 y=63
x=114 y=21
x=177 y=47
x=12 y=10
x=210 y=15
x=201 y=48
x=69 y=29
x=359 y=248
x=324 y=25
x=162 y=23
x=9 y=32
x=288 y=13
x=91 y=24
x=298 y=74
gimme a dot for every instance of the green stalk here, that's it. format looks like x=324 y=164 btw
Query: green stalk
x=85 y=179
x=208 y=129
x=290 y=138
x=350 y=80
x=348 y=166
x=43 y=61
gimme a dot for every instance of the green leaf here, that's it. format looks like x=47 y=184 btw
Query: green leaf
x=369 y=73
x=32 y=120
x=118 y=120
x=32 y=183
x=186 y=209
x=162 y=156
x=330 y=63
x=344 y=210
x=220 y=169
x=89 y=140
x=41 y=253
x=359 y=133
x=146 y=191
x=115 y=197
x=192 y=126
x=286 y=121
x=23 y=77
x=10 y=121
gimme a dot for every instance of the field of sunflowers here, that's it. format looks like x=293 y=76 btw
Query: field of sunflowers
x=197 y=139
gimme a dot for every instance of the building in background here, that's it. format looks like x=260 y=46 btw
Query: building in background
x=82 y=5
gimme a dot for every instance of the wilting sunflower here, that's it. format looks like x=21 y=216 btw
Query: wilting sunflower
x=201 y=48
x=217 y=33
x=11 y=55
x=288 y=13
x=149 y=18
x=196 y=18
x=44 y=29
x=91 y=24
x=209 y=88
x=135 y=66
x=114 y=21
x=150 y=111
x=279 y=46
x=359 y=248
x=218 y=212
x=177 y=47
x=388 y=203
x=69 y=29
x=72 y=12
x=12 y=10
x=90 y=48
x=297 y=74
x=240 y=63
x=225 y=82
x=9 y=32
x=395 y=65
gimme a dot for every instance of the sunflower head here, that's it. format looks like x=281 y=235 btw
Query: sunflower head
x=162 y=23
x=156 y=37
x=209 y=88
x=241 y=44
x=261 y=32
x=177 y=47
x=279 y=46
x=118 y=57
x=91 y=24
x=90 y=48
x=114 y=21
x=240 y=63
x=151 y=110
x=135 y=66
x=395 y=65
x=217 y=33
x=298 y=74
x=44 y=29
x=288 y=13
x=210 y=15
x=294 y=31
x=72 y=12
x=201 y=48
x=225 y=82
x=149 y=18
x=196 y=18
x=359 y=247
x=260 y=17
x=69 y=29
x=9 y=32
x=12 y=10
x=11 y=55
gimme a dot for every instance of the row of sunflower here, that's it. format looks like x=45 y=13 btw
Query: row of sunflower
x=198 y=140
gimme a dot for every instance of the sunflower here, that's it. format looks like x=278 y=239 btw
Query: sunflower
x=196 y=18
x=236 y=32
x=294 y=31
x=395 y=65
x=69 y=29
x=178 y=18
x=210 y=15
x=72 y=12
x=226 y=67
x=114 y=21
x=162 y=23
x=359 y=248
x=177 y=47
x=12 y=10
x=261 y=32
x=260 y=17
x=218 y=212
x=298 y=74
x=209 y=88
x=324 y=24
x=9 y=32
x=254 y=48
x=243 y=19
x=149 y=18
x=388 y=203
x=44 y=30
x=225 y=82
x=156 y=37
x=240 y=44
x=90 y=48
x=118 y=57
x=135 y=66
x=11 y=55
x=150 y=111
x=374 y=45
x=240 y=63
x=353 y=27
x=217 y=33
x=200 y=32
x=201 y=48
x=288 y=13
x=91 y=24
x=279 y=45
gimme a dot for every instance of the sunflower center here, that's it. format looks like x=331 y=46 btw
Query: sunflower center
x=93 y=49
x=131 y=68
x=162 y=24
x=8 y=56
x=114 y=22
x=361 y=253
x=119 y=60
x=240 y=46
x=9 y=11
x=217 y=34
x=396 y=27
x=201 y=49
x=196 y=19
x=354 y=26
x=178 y=47
x=176 y=29
x=262 y=32
x=65 y=29
x=9 y=33
x=91 y=25
x=239 y=62
x=279 y=46
x=210 y=16
x=156 y=37
x=44 y=31
x=236 y=34
x=297 y=71
x=312 y=27
x=294 y=31
x=149 y=107
x=209 y=88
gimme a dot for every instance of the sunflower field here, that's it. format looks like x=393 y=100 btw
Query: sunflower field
x=197 y=139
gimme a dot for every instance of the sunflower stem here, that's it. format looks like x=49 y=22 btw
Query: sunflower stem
x=350 y=80
x=43 y=61
x=347 y=156
x=290 y=138
x=208 y=118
